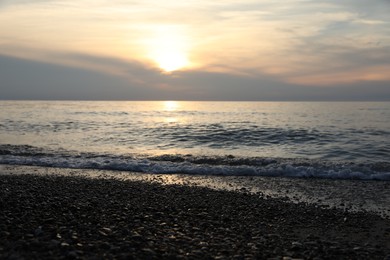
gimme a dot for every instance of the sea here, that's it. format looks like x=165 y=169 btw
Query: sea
x=319 y=140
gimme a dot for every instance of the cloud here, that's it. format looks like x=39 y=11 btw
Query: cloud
x=266 y=48
x=25 y=79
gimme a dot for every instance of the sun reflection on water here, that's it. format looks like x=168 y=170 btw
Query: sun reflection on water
x=171 y=120
x=171 y=105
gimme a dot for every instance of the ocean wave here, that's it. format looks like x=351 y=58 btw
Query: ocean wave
x=197 y=165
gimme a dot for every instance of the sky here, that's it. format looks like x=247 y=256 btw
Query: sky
x=288 y=50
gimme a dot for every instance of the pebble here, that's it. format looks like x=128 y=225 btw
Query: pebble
x=72 y=217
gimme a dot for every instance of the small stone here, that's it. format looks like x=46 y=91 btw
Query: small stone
x=105 y=231
x=296 y=245
x=64 y=244
x=148 y=251
x=105 y=246
x=136 y=235
x=54 y=243
x=72 y=254
x=38 y=231
x=5 y=233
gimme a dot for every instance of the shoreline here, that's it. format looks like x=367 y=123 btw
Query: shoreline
x=51 y=216
x=348 y=195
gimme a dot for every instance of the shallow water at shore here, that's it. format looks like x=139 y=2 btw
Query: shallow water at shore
x=328 y=140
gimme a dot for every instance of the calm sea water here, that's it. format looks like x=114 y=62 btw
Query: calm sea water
x=325 y=140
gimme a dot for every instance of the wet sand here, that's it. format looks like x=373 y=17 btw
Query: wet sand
x=44 y=215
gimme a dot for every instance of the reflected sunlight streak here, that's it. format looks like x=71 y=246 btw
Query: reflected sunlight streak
x=171 y=105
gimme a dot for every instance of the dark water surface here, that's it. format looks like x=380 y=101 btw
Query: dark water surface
x=348 y=140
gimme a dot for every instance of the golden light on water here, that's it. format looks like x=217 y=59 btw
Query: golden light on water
x=171 y=105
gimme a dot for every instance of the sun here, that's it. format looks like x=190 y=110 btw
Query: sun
x=171 y=60
x=168 y=48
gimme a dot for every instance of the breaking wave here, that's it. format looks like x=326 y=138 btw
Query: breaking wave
x=227 y=165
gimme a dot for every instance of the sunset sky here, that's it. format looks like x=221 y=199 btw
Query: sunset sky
x=195 y=50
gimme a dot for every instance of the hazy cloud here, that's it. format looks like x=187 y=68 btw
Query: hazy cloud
x=23 y=79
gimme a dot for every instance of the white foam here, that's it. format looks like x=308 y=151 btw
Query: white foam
x=283 y=169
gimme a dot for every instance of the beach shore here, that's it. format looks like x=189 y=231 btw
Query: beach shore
x=74 y=217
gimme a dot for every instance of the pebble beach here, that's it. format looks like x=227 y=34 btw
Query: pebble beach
x=73 y=217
